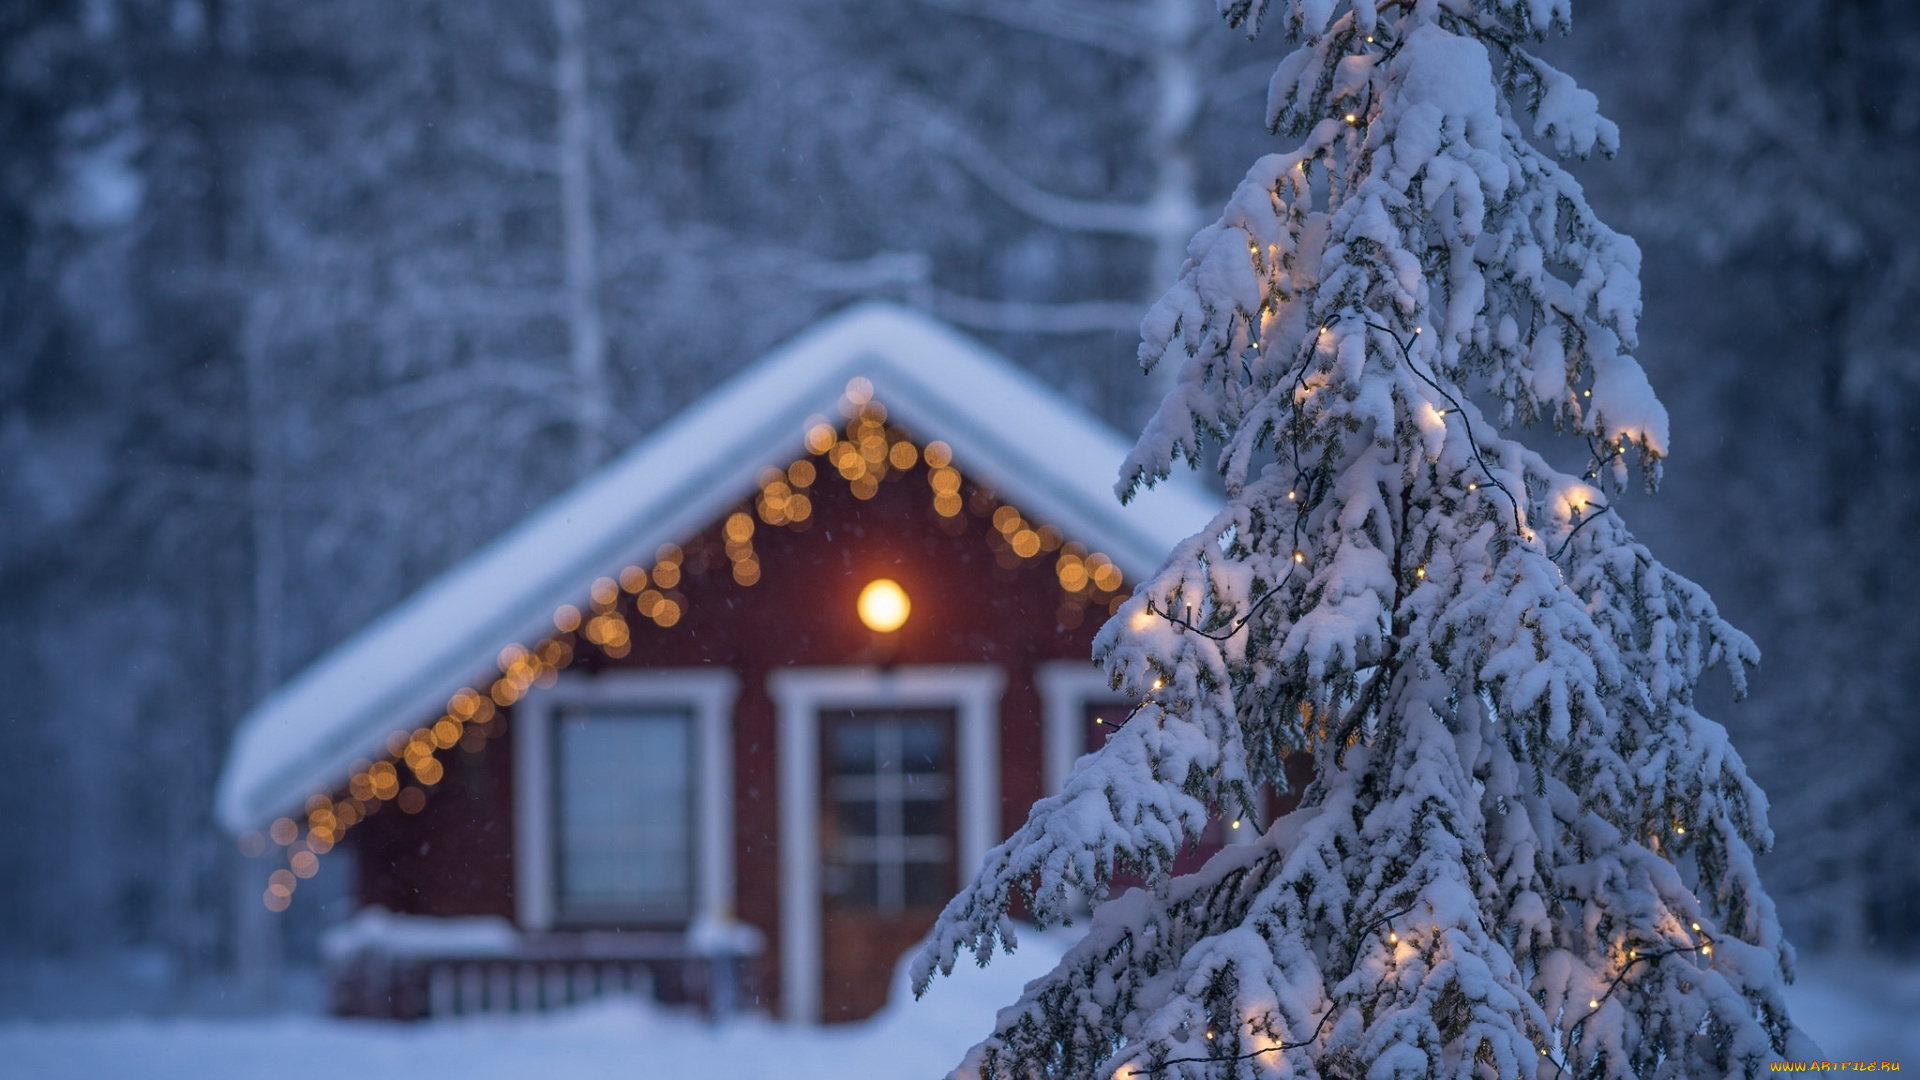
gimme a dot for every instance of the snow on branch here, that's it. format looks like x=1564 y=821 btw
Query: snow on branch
x=1524 y=853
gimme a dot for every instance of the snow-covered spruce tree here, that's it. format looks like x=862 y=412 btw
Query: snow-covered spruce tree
x=1524 y=852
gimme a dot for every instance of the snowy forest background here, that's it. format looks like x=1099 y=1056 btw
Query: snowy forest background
x=300 y=303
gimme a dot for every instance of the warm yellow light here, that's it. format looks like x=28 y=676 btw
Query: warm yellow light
x=1236 y=823
x=1594 y=1003
x=884 y=606
x=604 y=593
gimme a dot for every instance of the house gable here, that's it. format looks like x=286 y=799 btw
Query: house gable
x=974 y=602
x=1011 y=435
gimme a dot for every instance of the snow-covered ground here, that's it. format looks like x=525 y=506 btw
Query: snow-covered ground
x=921 y=1039
x=1858 y=1010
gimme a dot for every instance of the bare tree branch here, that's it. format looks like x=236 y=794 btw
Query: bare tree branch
x=1060 y=211
x=1241 y=81
x=910 y=274
x=541 y=382
x=1019 y=316
x=1116 y=31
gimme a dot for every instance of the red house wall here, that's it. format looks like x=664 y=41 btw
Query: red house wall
x=455 y=856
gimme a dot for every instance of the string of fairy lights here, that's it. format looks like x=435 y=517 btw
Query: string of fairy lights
x=1413 y=945
x=1301 y=496
x=864 y=450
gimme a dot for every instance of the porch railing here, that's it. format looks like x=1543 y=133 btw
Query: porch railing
x=407 y=966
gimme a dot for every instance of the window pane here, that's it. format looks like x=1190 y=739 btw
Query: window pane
x=888 y=794
x=922 y=818
x=625 y=814
x=853 y=749
x=923 y=746
x=926 y=884
x=858 y=818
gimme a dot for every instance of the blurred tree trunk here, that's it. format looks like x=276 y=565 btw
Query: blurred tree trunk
x=586 y=332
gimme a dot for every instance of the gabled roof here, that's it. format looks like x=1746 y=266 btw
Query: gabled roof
x=1008 y=431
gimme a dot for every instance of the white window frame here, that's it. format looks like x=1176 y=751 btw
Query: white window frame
x=708 y=693
x=800 y=694
x=1066 y=688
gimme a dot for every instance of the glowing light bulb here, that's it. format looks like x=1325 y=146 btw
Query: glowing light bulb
x=1440 y=412
x=1593 y=1003
x=1682 y=830
x=1236 y=824
x=1420 y=573
x=1393 y=938
x=1299 y=557
x=1158 y=683
x=1293 y=495
x=883 y=605
x=1473 y=487
x=1352 y=119
x=1706 y=950
x=1417 y=329
x=1369 y=39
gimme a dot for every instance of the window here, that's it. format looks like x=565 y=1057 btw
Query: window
x=889 y=809
x=623 y=789
x=1078 y=711
x=623 y=799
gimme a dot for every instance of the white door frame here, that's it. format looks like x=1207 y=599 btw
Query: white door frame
x=799 y=694
x=708 y=693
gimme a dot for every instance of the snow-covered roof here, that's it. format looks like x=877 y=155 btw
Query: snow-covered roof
x=1008 y=431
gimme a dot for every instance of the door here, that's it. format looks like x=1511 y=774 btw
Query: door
x=887 y=846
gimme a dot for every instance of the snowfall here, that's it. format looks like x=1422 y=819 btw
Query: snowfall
x=1857 y=1009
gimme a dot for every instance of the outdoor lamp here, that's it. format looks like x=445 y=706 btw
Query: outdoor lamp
x=884 y=606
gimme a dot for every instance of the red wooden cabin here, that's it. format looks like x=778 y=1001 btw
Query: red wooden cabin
x=653 y=739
